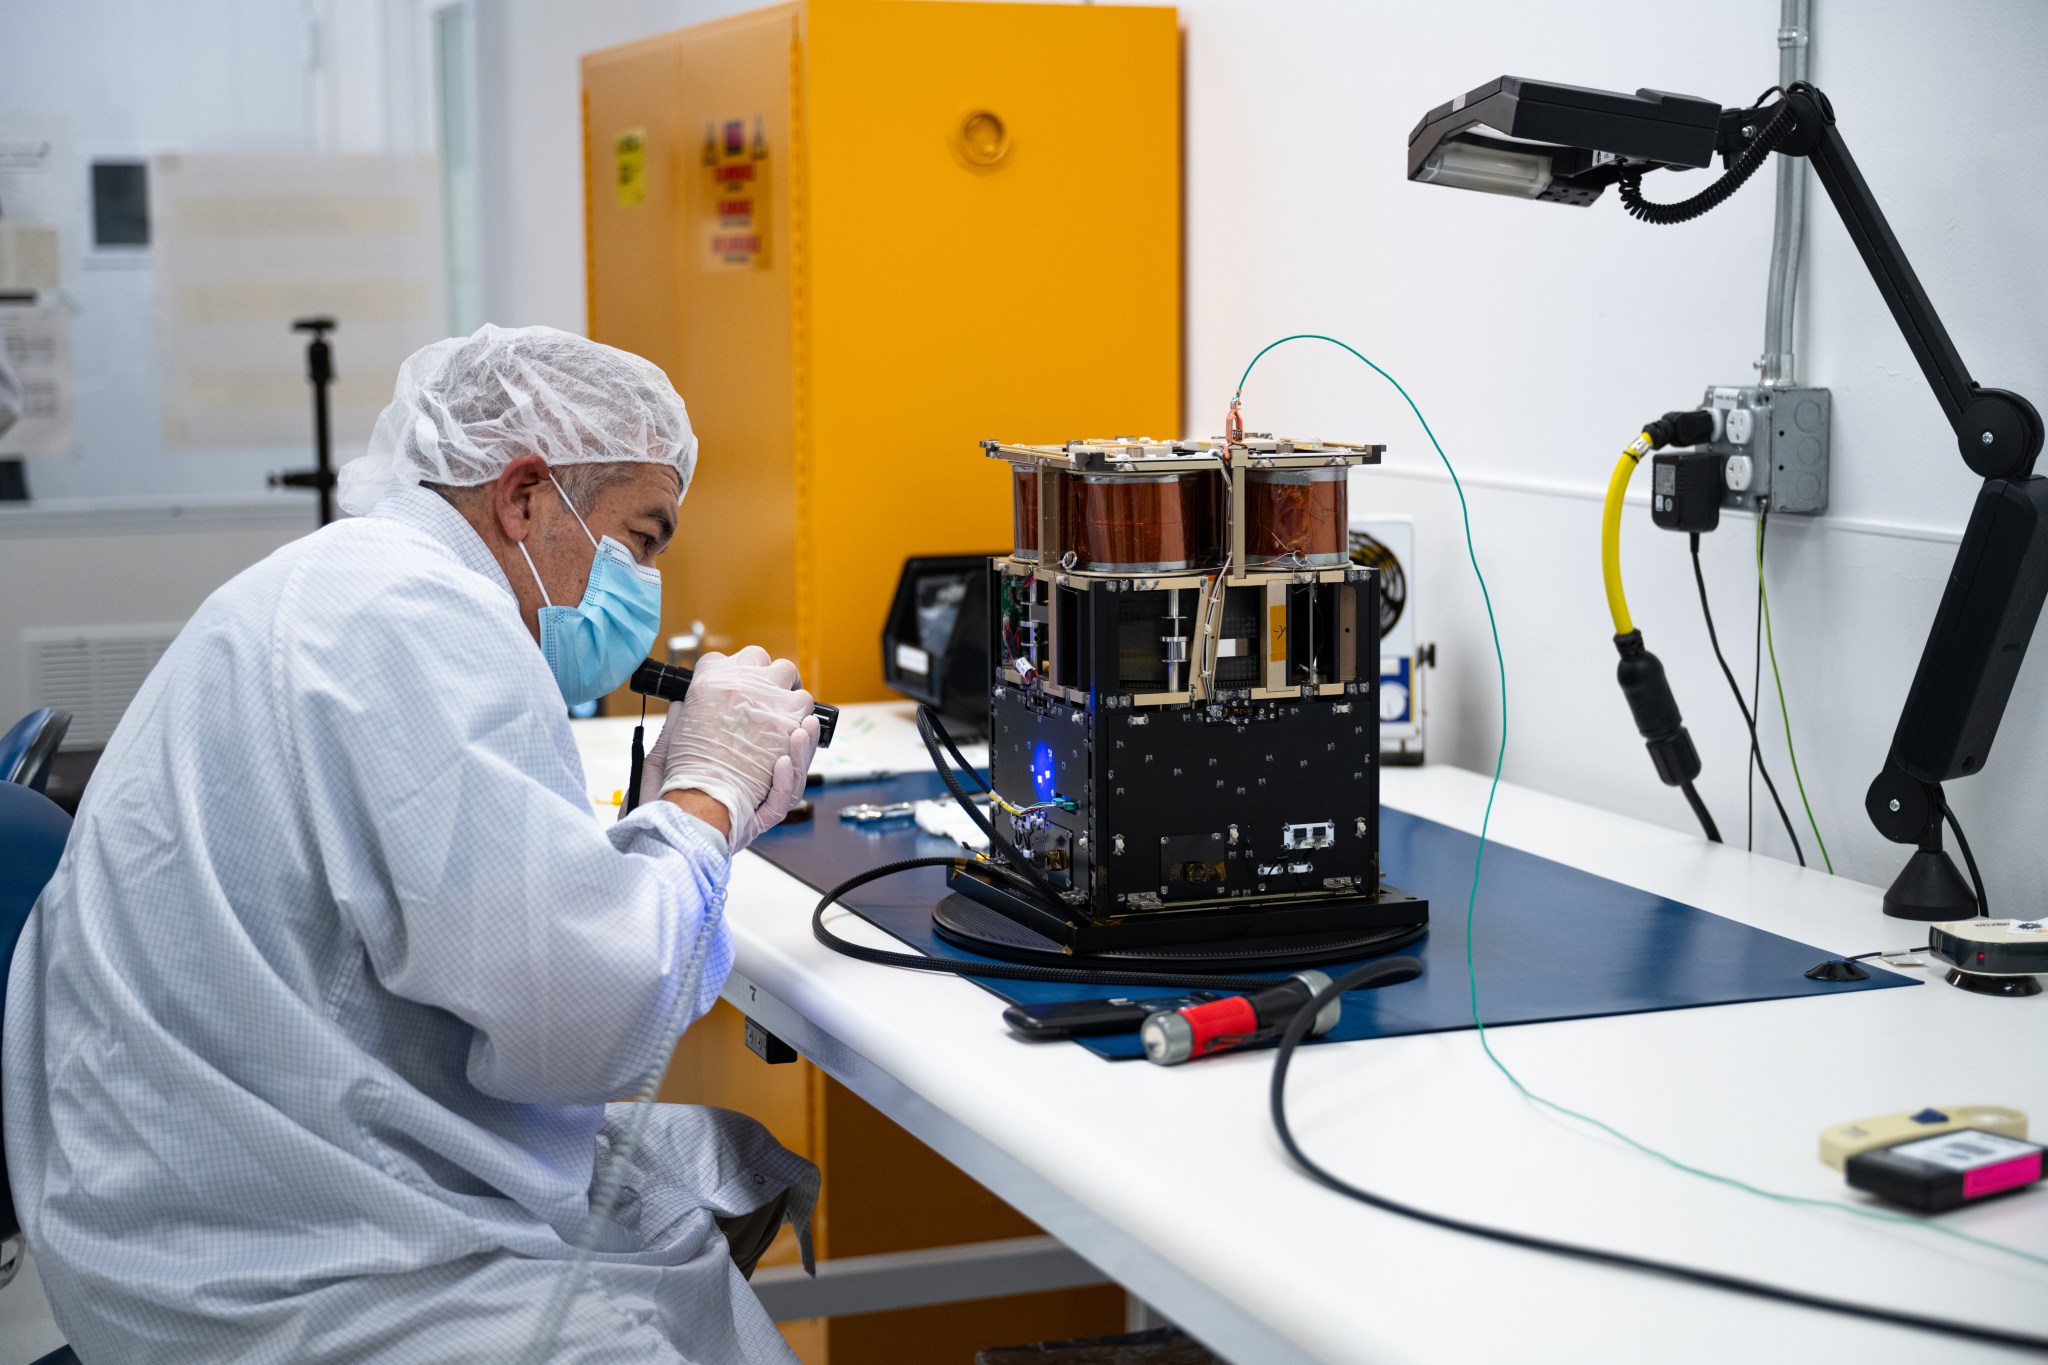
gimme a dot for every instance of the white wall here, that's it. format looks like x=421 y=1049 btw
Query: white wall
x=123 y=531
x=1536 y=338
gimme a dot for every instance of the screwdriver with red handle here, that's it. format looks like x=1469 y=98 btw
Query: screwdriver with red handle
x=1236 y=1021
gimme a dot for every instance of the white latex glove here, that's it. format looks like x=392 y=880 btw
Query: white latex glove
x=739 y=737
x=786 y=788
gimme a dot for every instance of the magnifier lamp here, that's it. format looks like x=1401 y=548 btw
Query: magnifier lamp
x=1564 y=144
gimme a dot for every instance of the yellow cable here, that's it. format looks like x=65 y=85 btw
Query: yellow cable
x=1610 y=532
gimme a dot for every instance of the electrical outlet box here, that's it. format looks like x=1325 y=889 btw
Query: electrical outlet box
x=1774 y=443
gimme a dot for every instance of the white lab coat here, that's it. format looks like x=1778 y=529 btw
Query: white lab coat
x=309 y=1040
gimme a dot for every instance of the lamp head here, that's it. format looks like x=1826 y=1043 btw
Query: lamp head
x=1564 y=143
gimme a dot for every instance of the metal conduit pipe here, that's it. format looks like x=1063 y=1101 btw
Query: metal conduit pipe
x=1779 y=364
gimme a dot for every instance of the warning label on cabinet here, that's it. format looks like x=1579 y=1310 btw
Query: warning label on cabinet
x=736 y=191
x=629 y=154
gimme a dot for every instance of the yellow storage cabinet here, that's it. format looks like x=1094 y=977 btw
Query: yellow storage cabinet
x=860 y=236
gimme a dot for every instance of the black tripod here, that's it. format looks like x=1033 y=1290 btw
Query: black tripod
x=320 y=373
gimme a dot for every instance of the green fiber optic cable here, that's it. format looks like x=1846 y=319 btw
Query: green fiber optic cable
x=1472 y=896
x=1763 y=595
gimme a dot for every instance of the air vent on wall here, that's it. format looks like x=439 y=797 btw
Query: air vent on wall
x=93 y=672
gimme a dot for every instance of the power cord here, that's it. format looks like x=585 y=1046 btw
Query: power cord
x=1969 y=858
x=1756 y=676
x=1699 y=810
x=1775 y=130
x=1756 y=757
x=1771 y=645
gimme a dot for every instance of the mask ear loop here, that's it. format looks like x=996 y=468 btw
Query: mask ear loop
x=545 y=599
x=572 y=511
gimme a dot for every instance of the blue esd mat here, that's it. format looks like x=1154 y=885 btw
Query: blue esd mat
x=1552 y=942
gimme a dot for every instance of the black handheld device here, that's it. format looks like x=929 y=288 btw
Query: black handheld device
x=1075 y=1018
x=669 y=682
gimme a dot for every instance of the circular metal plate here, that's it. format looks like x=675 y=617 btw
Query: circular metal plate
x=967 y=923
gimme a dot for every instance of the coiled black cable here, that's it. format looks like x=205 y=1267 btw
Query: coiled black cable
x=1775 y=130
x=933 y=732
x=1007 y=971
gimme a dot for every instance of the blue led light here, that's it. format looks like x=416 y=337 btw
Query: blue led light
x=1041 y=770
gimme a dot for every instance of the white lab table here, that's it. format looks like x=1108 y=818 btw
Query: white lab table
x=1171 y=1181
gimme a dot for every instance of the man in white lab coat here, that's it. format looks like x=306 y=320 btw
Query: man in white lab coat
x=309 y=1043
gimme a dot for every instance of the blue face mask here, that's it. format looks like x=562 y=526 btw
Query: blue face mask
x=594 y=646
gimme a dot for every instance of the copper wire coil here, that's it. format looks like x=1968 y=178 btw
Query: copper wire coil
x=1297 y=517
x=1143 y=524
x=1024 y=510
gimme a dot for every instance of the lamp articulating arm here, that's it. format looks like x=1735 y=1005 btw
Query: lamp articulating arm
x=2000 y=578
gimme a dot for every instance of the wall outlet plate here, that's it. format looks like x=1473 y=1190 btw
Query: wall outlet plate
x=1784 y=434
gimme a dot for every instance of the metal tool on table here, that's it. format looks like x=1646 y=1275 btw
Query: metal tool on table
x=1236 y=1021
x=867 y=813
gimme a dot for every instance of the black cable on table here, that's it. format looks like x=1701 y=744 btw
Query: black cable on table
x=1756 y=755
x=1699 y=808
x=1304 y=1019
x=1005 y=971
x=1894 y=952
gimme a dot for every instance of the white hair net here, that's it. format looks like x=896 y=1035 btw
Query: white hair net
x=466 y=407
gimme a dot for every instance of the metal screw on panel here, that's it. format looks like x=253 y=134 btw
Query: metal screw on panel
x=1117 y=844
x=1895 y=803
x=1985 y=438
x=1749 y=130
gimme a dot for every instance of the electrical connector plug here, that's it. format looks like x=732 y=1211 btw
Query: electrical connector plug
x=1693 y=428
x=1656 y=711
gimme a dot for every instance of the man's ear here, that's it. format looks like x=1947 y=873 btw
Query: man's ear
x=515 y=494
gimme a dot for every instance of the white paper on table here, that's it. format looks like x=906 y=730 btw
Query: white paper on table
x=880 y=739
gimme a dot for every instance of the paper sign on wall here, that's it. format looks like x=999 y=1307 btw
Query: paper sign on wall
x=244 y=244
x=35 y=172
x=736 y=190
x=37 y=341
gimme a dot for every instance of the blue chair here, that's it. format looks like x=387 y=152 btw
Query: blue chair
x=29 y=748
x=32 y=834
